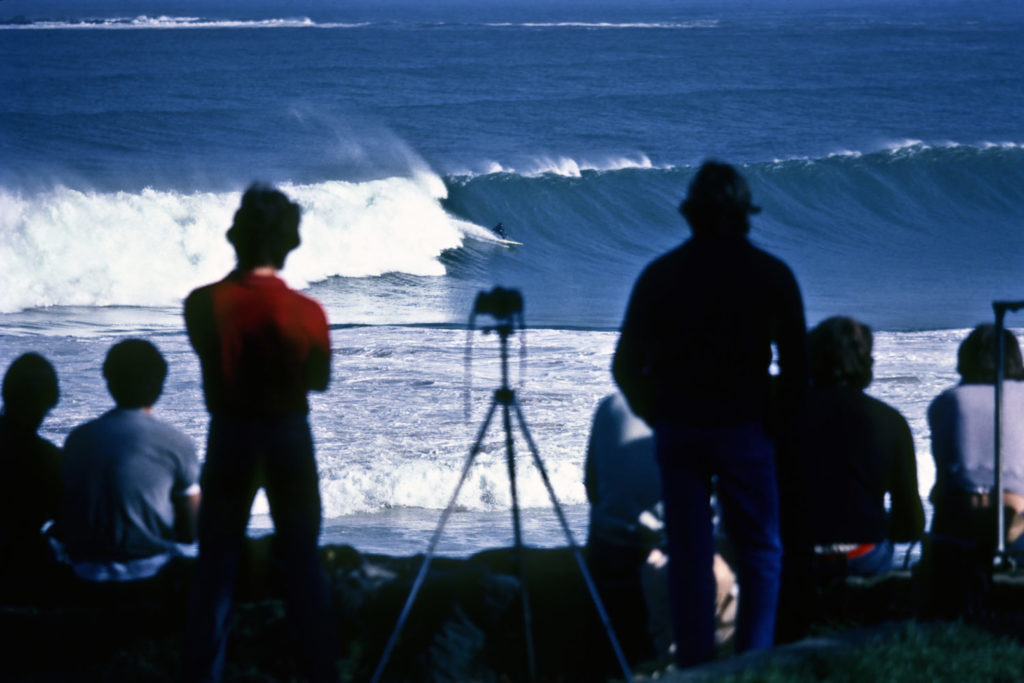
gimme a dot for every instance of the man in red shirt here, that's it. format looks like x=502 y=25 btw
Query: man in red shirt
x=262 y=347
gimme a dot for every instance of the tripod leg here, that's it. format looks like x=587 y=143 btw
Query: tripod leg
x=435 y=539
x=591 y=587
x=518 y=534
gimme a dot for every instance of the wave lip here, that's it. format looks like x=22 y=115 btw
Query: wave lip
x=564 y=166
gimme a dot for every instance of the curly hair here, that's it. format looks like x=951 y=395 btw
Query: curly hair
x=841 y=353
x=976 y=357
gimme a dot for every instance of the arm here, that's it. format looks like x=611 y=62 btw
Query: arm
x=906 y=518
x=318 y=363
x=940 y=422
x=631 y=365
x=791 y=340
x=590 y=474
x=186 y=494
x=186 y=517
x=199 y=321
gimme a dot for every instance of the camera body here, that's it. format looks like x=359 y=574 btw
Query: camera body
x=499 y=302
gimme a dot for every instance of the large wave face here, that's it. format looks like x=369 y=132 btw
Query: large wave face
x=912 y=236
x=78 y=248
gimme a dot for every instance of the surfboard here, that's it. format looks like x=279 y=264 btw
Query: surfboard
x=511 y=243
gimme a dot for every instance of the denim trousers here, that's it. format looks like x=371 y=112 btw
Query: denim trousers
x=739 y=462
x=244 y=455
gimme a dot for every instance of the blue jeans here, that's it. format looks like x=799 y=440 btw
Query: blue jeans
x=243 y=455
x=742 y=458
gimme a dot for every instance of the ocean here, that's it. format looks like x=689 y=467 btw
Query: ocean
x=884 y=140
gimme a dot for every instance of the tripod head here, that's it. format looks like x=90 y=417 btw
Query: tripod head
x=506 y=307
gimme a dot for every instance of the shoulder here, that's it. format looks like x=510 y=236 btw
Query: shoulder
x=169 y=435
x=664 y=267
x=945 y=403
x=308 y=309
x=203 y=292
x=199 y=303
x=882 y=411
x=771 y=263
x=87 y=430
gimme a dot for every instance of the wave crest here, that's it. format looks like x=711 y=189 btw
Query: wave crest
x=77 y=248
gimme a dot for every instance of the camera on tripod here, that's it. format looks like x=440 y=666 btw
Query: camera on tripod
x=499 y=302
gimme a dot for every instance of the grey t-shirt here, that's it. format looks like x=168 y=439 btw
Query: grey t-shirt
x=621 y=474
x=122 y=475
x=962 y=421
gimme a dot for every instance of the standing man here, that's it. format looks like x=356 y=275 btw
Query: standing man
x=262 y=347
x=693 y=361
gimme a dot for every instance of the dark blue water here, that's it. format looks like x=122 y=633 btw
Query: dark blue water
x=883 y=139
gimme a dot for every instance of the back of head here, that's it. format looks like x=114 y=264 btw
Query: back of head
x=976 y=360
x=718 y=201
x=135 y=372
x=30 y=389
x=841 y=353
x=265 y=229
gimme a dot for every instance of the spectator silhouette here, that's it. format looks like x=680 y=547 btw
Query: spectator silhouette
x=32 y=466
x=962 y=421
x=851 y=451
x=622 y=483
x=130 y=480
x=625 y=542
x=693 y=361
x=261 y=347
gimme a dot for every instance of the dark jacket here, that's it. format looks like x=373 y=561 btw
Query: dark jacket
x=696 y=343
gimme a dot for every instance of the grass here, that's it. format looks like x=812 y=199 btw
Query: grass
x=914 y=652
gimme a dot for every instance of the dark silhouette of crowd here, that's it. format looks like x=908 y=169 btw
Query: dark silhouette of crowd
x=736 y=435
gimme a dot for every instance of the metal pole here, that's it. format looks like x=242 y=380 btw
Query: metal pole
x=1000 y=307
x=997 y=439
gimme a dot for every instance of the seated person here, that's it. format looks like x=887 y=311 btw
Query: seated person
x=850 y=451
x=130 y=480
x=32 y=470
x=625 y=542
x=962 y=422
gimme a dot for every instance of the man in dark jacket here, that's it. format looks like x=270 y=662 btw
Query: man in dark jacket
x=694 y=360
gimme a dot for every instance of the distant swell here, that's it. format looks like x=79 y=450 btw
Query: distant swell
x=172 y=22
x=166 y=22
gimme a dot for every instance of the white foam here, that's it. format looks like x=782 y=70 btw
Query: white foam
x=697 y=23
x=904 y=145
x=430 y=484
x=564 y=166
x=76 y=248
x=169 y=22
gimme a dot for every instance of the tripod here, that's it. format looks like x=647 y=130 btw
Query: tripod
x=505 y=397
